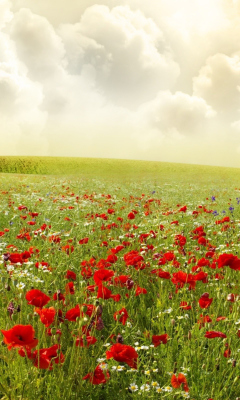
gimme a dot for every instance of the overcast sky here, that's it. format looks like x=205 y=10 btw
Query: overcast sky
x=156 y=80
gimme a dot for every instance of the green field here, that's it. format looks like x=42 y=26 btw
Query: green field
x=122 y=169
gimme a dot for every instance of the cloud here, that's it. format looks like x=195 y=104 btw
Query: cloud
x=37 y=44
x=127 y=51
x=178 y=114
x=218 y=83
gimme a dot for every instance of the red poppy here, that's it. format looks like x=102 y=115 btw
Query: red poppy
x=85 y=341
x=161 y=274
x=123 y=353
x=71 y=275
x=44 y=358
x=214 y=334
x=158 y=339
x=229 y=260
x=20 y=336
x=185 y=305
x=140 y=290
x=83 y=241
x=123 y=315
x=103 y=292
x=205 y=301
x=121 y=280
x=73 y=313
x=58 y=296
x=97 y=377
x=37 y=298
x=46 y=315
x=102 y=275
x=131 y=215
x=178 y=381
x=203 y=320
x=70 y=289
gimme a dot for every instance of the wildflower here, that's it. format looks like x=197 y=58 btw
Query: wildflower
x=37 y=298
x=147 y=372
x=123 y=353
x=158 y=339
x=118 y=368
x=98 y=376
x=44 y=358
x=133 y=387
x=145 y=387
x=20 y=286
x=178 y=381
x=214 y=334
x=20 y=336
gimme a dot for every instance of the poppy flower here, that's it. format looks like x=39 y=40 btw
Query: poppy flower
x=176 y=382
x=97 y=377
x=46 y=315
x=214 y=334
x=121 y=280
x=83 y=241
x=44 y=358
x=205 y=301
x=161 y=274
x=102 y=275
x=123 y=315
x=85 y=341
x=131 y=215
x=103 y=292
x=184 y=305
x=123 y=353
x=70 y=289
x=71 y=275
x=140 y=290
x=158 y=339
x=229 y=260
x=20 y=336
x=73 y=313
x=37 y=298
x=203 y=320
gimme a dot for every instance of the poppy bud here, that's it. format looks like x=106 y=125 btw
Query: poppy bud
x=7 y=287
x=119 y=339
x=175 y=368
x=99 y=310
x=189 y=335
x=234 y=363
x=170 y=296
x=203 y=366
x=231 y=297
x=173 y=322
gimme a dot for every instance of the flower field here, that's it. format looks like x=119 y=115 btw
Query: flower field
x=119 y=289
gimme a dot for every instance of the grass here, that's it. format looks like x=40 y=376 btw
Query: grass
x=120 y=169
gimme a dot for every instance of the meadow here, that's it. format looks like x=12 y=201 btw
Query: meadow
x=119 y=279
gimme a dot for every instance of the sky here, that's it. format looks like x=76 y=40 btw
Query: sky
x=156 y=80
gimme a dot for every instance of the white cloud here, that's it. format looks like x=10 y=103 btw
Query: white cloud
x=218 y=83
x=130 y=57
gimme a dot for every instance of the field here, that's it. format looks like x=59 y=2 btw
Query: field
x=119 y=279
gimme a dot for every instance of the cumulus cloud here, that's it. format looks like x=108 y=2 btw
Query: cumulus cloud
x=218 y=83
x=130 y=57
x=37 y=44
